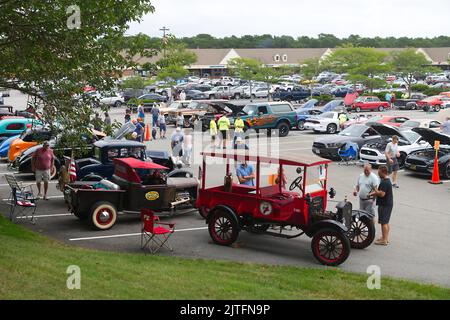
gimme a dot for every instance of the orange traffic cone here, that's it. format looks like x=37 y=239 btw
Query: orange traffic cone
x=435 y=176
x=147 y=133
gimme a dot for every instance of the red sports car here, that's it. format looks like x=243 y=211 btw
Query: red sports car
x=434 y=103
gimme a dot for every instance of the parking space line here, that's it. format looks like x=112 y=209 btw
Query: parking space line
x=129 y=235
x=46 y=216
x=50 y=197
x=27 y=182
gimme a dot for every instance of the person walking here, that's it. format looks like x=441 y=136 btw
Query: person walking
x=387 y=97
x=367 y=183
x=179 y=120
x=446 y=126
x=385 y=203
x=162 y=126
x=127 y=115
x=155 y=115
x=238 y=128
x=107 y=119
x=42 y=162
x=139 y=130
x=224 y=127
x=392 y=100
x=141 y=112
x=183 y=95
x=392 y=154
x=187 y=149
x=97 y=122
x=213 y=132
x=175 y=142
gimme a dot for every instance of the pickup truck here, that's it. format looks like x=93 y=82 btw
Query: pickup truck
x=296 y=94
x=220 y=92
x=270 y=115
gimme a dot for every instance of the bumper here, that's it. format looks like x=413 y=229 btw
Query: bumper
x=329 y=153
x=420 y=169
x=315 y=126
x=376 y=160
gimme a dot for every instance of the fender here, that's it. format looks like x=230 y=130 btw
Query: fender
x=360 y=213
x=331 y=224
x=180 y=173
x=285 y=120
x=229 y=210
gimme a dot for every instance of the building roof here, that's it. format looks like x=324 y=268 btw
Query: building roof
x=438 y=55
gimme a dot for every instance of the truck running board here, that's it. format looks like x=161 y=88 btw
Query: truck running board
x=285 y=236
x=183 y=200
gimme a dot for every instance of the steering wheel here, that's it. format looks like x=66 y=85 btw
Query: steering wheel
x=296 y=184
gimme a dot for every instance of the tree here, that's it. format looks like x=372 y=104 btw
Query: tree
x=409 y=65
x=311 y=68
x=52 y=49
x=363 y=65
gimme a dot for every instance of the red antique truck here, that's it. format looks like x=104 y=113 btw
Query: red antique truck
x=230 y=208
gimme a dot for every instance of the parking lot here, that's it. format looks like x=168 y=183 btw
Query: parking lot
x=420 y=224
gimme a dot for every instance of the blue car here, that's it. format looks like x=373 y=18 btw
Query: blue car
x=4 y=146
x=14 y=126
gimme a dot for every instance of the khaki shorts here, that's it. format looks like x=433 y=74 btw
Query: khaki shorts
x=42 y=175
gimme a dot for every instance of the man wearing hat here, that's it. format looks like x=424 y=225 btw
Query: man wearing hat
x=42 y=163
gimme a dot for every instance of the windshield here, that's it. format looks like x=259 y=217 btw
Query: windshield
x=250 y=109
x=411 y=123
x=411 y=136
x=353 y=131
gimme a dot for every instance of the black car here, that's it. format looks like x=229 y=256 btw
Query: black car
x=422 y=161
x=195 y=95
x=149 y=100
x=328 y=147
x=132 y=93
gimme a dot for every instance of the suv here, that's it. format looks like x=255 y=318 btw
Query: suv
x=220 y=92
x=270 y=115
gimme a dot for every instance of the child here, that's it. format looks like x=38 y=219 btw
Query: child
x=63 y=179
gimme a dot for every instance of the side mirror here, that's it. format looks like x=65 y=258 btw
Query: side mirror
x=299 y=170
x=332 y=193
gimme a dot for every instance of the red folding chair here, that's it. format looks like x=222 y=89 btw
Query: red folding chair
x=153 y=236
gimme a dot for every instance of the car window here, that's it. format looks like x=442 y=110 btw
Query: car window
x=399 y=120
x=113 y=153
x=411 y=123
x=370 y=132
x=262 y=109
x=15 y=126
x=280 y=108
x=434 y=124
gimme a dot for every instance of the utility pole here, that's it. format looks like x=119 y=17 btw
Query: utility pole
x=164 y=40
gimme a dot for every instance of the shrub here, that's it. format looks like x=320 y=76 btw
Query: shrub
x=432 y=91
x=419 y=87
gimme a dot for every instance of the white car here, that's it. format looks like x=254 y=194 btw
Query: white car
x=257 y=92
x=409 y=141
x=112 y=99
x=421 y=123
x=326 y=122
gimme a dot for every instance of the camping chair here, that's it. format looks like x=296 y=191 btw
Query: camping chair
x=348 y=153
x=152 y=236
x=21 y=197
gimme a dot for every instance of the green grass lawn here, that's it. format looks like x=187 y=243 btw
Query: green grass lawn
x=34 y=267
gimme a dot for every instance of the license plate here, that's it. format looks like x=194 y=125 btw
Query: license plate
x=413 y=167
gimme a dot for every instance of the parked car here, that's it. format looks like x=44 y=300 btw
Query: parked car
x=422 y=161
x=195 y=95
x=326 y=122
x=215 y=111
x=14 y=126
x=193 y=110
x=341 y=92
x=28 y=139
x=270 y=115
x=411 y=103
x=421 y=123
x=4 y=146
x=174 y=106
x=395 y=121
x=132 y=93
x=4 y=92
x=130 y=188
x=149 y=100
x=219 y=92
x=434 y=103
x=328 y=147
x=257 y=92
x=409 y=141
x=113 y=99
x=296 y=94
x=365 y=103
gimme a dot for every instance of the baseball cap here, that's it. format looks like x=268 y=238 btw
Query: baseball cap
x=45 y=143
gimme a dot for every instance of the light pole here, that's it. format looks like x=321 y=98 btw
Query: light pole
x=164 y=40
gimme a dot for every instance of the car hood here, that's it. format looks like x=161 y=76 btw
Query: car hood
x=431 y=136
x=308 y=105
x=385 y=130
x=330 y=106
x=334 y=139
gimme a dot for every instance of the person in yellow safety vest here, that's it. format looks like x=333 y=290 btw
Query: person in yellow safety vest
x=224 y=126
x=342 y=119
x=238 y=129
x=213 y=132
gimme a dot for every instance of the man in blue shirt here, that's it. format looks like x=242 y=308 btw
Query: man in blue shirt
x=246 y=174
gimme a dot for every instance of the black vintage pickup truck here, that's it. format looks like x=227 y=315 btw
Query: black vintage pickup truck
x=296 y=94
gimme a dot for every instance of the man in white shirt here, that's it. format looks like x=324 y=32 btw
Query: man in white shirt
x=367 y=183
x=446 y=126
x=392 y=156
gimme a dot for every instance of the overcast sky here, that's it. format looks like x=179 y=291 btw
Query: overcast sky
x=411 y=18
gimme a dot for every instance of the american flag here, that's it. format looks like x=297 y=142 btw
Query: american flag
x=72 y=170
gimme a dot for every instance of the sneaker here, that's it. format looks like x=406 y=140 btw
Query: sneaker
x=39 y=196
x=381 y=242
x=45 y=198
x=395 y=186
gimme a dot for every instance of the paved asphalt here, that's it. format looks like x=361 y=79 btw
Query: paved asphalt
x=420 y=224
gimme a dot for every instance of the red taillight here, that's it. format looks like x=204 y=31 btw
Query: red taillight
x=28 y=125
